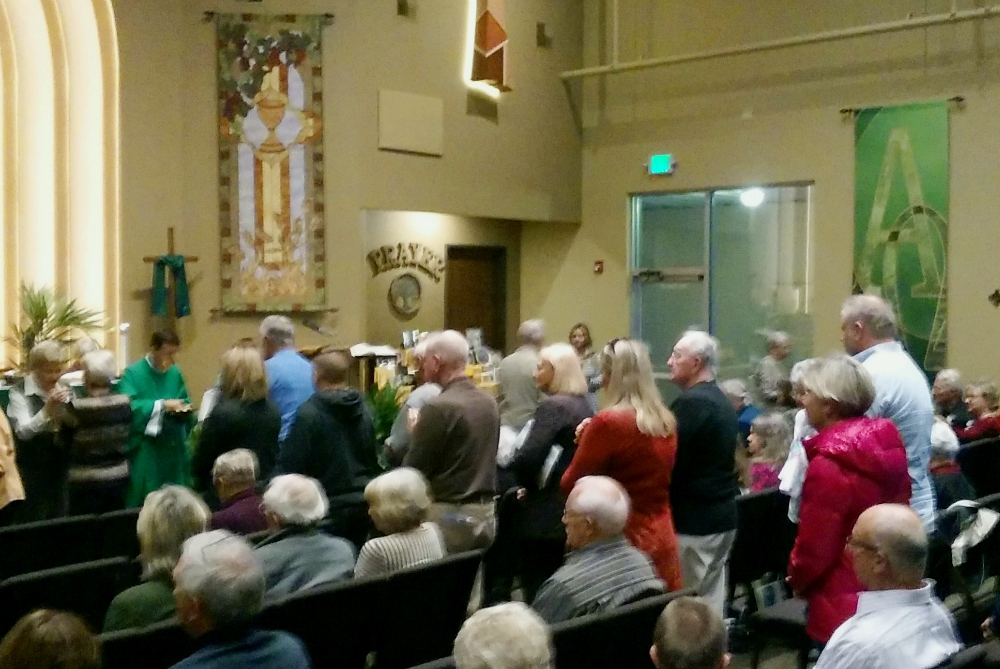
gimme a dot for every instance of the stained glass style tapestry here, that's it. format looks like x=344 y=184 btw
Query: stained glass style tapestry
x=901 y=221
x=271 y=162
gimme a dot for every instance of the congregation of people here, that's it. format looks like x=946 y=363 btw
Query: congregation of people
x=276 y=487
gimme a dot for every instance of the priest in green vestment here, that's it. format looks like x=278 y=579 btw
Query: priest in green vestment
x=161 y=419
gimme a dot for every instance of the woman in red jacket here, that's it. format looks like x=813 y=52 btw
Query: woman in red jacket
x=854 y=463
x=634 y=441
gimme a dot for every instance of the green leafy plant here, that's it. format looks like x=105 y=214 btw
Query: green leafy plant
x=46 y=315
x=385 y=408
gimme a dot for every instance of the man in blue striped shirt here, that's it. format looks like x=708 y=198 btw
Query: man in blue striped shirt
x=902 y=394
x=603 y=570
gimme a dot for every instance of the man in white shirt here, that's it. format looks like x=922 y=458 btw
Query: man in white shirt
x=899 y=624
x=902 y=394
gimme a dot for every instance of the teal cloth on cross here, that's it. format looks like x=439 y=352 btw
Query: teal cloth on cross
x=182 y=299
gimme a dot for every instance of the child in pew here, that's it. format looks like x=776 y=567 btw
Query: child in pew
x=767 y=446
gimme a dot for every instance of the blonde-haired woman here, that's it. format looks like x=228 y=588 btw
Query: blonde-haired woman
x=244 y=417
x=398 y=502
x=169 y=517
x=542 y=459
x=634 y=441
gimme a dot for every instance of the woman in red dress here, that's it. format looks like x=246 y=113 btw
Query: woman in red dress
x=634 y=441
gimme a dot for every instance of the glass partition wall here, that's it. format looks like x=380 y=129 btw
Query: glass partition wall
x=733 y=262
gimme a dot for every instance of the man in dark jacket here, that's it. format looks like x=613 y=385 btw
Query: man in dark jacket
x=703 y=486
x=333 y=441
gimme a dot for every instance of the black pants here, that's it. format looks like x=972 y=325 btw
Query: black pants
x=349 y=520
x=540 y=558
x=97 y=496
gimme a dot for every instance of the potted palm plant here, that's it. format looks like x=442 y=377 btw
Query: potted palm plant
x=46 y=315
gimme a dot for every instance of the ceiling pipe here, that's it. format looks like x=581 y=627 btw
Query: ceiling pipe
x=928 y=21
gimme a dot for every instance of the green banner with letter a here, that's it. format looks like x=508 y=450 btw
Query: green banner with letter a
x=901 y=220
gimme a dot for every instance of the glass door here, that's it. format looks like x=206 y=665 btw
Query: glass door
x=732 y=262
x=669 y=273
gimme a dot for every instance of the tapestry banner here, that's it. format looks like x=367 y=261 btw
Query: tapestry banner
x=901 y=220
x=271 y=162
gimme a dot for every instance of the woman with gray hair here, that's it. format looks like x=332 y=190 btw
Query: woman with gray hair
x=37 y=405
x=398 y=502
x=95 y=433
x=168 y=517
x=982 y=398
x=855 y=462
x=539 y=464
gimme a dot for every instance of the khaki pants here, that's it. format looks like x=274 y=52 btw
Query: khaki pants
x=465 y=526
x=704 y=565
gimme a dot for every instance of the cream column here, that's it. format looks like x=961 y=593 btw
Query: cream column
x=8 y=175
x=35 y=133
x=111 y=191
x=83 y=251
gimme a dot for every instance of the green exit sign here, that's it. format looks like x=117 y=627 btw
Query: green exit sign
x=660 y=164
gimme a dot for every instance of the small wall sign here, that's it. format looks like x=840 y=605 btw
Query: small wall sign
x=402 y=255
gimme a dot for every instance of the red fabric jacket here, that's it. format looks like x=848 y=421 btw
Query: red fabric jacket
x=984 y=427
x=854 y=464
x=611 y=445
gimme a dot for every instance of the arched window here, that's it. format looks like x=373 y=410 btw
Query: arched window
x=59 y=174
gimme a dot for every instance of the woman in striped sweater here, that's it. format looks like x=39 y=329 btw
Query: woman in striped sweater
x=397 y=503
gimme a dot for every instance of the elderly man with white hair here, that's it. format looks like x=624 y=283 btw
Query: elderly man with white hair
x=899 y=622
x=519 y=394
x=703 y=487
x=299 y=556
x=602 y=569
x=902 y=395
x=289 y=374
x=398 y=441
x=219 y=590
x=454 y=445
x=506 y=636
x=949 y=402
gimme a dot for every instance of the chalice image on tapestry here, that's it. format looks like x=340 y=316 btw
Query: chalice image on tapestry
x=271 y=162
x=901 y=227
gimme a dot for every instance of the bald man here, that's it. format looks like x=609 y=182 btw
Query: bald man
x=454 y=444
x=602 y=570
x=899 y=622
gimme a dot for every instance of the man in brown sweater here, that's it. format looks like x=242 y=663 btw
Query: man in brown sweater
x=454 y=445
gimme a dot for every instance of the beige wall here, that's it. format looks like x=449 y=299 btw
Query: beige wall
x=437 y=232
x=522 y=165
x=773 y=118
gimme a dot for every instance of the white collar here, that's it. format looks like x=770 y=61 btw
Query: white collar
x=31 y=387
x=876 y=600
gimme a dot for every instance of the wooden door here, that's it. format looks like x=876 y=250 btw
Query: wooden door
x=475 y=292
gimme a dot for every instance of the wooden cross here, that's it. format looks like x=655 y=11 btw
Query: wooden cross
x=171 y=309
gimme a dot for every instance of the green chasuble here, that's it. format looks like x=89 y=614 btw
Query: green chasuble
x=157 y=445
